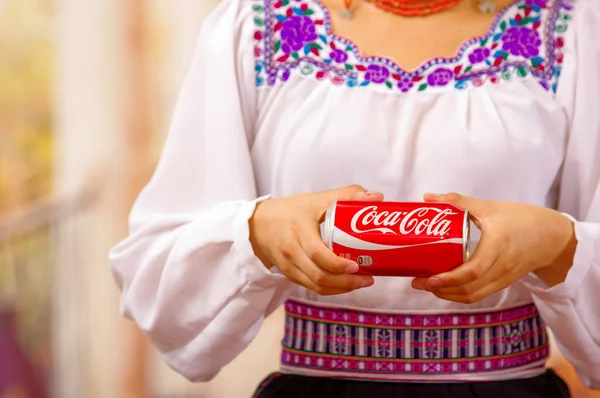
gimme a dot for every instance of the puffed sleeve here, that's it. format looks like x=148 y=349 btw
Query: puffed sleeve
x=187 y=271
x=572 y=309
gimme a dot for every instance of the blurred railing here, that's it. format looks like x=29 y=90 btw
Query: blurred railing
x=32 y=353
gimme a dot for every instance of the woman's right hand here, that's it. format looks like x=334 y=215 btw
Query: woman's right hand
x=285 y=233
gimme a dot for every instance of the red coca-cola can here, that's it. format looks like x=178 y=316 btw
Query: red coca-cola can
x=398 y=239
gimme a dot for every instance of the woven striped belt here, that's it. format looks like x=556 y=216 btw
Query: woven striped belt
x=339 y=342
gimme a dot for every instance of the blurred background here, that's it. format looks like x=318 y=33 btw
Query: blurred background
x=86 y=93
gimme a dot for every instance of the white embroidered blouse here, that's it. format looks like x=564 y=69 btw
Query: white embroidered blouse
x=275 y=104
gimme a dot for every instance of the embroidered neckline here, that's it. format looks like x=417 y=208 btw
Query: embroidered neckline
x=460 y=51
x=525 y=39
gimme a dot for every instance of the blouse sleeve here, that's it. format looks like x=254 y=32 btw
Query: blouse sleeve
x=188 y=274
x=572 y=309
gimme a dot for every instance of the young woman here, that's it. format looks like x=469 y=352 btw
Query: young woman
x=293 y=104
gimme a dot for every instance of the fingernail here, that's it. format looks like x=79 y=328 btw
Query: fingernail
x=352 y=268
x=434 y=195
x=368 y=282
x=373 y=193
x=418 y=286
x=434 y=282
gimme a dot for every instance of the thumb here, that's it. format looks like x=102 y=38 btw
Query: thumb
x=477 y=208
x=356 y=192
x=351 y=192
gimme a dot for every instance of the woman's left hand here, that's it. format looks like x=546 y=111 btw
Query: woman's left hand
x=516 y=239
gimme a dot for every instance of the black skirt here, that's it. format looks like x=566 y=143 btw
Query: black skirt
x=548 y=385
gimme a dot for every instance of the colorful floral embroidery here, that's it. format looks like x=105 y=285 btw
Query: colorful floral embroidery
x=363 y=344
x=525 y=40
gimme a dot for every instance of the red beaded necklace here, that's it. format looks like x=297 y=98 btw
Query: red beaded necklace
x=406 y=8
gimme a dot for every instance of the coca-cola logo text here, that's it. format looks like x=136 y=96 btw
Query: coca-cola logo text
x=416 y=222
